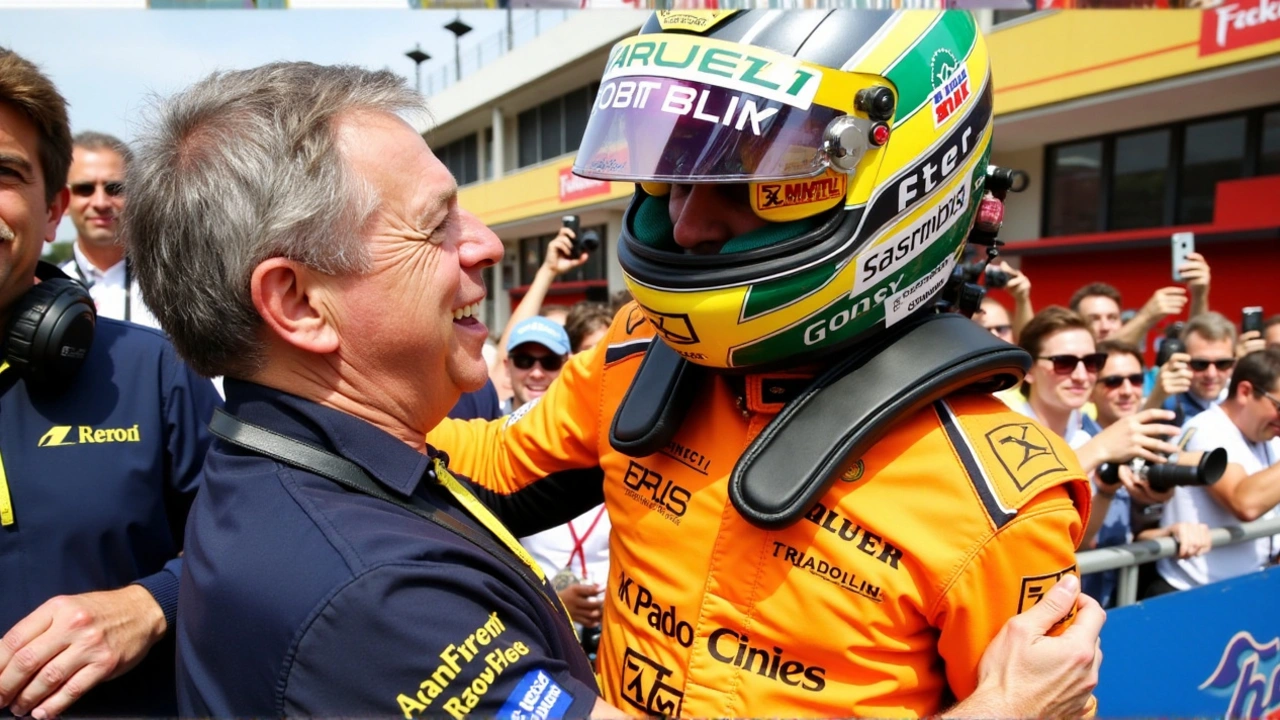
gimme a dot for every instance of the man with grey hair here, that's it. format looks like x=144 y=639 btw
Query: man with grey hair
x=301 y=239
x=96 y=181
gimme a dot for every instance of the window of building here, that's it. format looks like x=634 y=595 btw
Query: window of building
x=1212 y=151
x=577 y=108
x=1269 y=150
x=527 y=135
x=462 y=158
x=1075 y=188
x=555 y=127
x=487 y=171
x=1138 y=196
x=550 y=129
x=1165 y=175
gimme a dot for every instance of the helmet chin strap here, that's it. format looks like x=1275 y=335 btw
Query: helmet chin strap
x=652 y=227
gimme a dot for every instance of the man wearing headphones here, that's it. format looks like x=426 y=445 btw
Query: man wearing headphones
x=818 y=509
x=102 y=440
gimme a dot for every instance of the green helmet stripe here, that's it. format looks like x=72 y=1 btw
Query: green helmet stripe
x=914 y=74
x=769 y=296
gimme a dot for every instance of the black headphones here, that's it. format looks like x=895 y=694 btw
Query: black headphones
x=51 y=328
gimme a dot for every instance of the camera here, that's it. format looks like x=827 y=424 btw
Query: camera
x=995 y=277
x=1172 y=343
x=1166 y=476
x=588 y=241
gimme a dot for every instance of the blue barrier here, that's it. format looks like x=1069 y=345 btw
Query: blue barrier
x=1212 y=651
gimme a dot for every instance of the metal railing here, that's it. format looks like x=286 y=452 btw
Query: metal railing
x=473 y=54
x=1127 y=558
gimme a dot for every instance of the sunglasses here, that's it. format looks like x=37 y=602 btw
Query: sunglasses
x=1200 y=365
x=1066 y=364
x=1114 y=381
x=550 y=363
x=86 y=189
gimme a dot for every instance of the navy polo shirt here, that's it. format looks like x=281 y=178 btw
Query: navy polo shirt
x=100 y=475
x=479 y=405
x=300 y=597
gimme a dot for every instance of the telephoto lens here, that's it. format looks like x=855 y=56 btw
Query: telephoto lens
x=1166 y=476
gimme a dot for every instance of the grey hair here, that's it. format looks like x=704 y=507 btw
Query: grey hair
x=1212 y=326
x=90 y=140
x=240 y=168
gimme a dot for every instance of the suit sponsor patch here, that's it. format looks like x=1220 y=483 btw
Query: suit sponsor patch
x=1024 y=452
x=646 y=686
x=1034 y=588
x=537 y=695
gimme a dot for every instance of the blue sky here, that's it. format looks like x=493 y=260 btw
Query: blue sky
x=108 y=63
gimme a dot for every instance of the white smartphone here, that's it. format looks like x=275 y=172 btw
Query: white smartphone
x=1184 y=243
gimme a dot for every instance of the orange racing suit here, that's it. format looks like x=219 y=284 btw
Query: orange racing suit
x=879 y=602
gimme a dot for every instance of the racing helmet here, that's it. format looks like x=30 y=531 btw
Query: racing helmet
x=856 y=142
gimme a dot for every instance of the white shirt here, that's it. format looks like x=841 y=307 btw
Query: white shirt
x=552 y=548
x=106 y=287
x=1075 y=435
x=1194 y=504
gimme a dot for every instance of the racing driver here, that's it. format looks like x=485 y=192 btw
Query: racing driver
x=805 y=183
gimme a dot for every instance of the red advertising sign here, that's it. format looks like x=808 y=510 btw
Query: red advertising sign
x=573 y=187
x=1237 y=24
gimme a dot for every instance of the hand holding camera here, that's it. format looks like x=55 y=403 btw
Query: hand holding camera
x=583 y=242
x=1175 y=374
x=1141 y=435
x=563 y=252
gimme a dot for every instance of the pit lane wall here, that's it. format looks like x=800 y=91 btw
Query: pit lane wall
x=1209 y=652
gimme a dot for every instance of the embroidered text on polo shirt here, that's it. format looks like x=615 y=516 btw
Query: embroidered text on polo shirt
x=60 y=435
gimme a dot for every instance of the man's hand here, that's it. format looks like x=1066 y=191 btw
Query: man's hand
x=1140 y=490
x=1193 y=538
x=1250 y=342
x=557 y=261
x=1175 y=375
x=1139 y=435
x=1019 y=285
x=1025 y=672
x=1195 y=273
x=1164 y=302
x=71 y=643
x=583 y=603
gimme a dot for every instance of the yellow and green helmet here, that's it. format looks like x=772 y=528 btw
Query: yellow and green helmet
x=862 y=137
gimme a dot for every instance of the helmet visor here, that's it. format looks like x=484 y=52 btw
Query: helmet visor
x=646 y=128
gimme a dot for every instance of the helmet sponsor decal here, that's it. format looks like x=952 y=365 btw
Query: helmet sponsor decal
x=730 y=66
x=950 y=87
x=706 y=103
x=914 y=296
x=906 y=244
x=795 y=199
x=691 y=20
x=675 y=328
x=918 y=73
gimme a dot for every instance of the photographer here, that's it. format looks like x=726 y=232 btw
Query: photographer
x=1246 y=425
x=1101 y=303
x=558 y=261
x=1060 y=382
x=1210 y=342
x=1124 y=498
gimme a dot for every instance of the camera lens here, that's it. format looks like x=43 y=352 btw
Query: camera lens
x=590 y=241
x=1166 y=476
x=996 y=278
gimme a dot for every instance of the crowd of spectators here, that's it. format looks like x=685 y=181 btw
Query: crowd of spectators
x=1090 y=384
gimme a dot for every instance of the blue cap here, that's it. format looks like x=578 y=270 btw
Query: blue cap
x=547 y=333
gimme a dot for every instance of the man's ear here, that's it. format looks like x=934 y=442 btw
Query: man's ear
x=288 y=296
x=1244 y=389
x=57 y=207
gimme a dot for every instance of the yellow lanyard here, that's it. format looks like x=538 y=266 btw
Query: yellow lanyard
x=6 y=505
x=477 y=510
x=481 y=513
